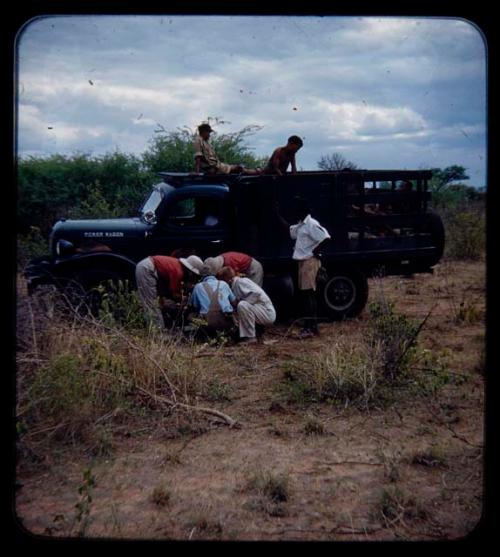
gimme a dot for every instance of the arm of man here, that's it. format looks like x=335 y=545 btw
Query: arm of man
x=197 y=163
x=294 y=167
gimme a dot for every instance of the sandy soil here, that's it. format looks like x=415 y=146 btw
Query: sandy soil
x=334 y=479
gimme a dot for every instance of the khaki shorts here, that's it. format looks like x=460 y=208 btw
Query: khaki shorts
x=308 y=272
x=223 y=168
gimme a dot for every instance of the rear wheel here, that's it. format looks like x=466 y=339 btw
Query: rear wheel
x=341 y=293
x=433 y=225
x=85 y=290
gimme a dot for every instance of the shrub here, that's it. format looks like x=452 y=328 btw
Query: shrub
x=275 y=487
x=30 y=246
x=345 y=372
x=160 y=496
x=465 y=233
x=120 y=305
x=395 y=505
x=395 y=335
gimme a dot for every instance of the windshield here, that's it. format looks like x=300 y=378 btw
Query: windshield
x=151 y=204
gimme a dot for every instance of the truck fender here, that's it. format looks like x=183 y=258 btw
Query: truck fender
x=87 y=267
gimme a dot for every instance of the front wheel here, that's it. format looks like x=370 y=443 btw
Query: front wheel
x=341 y=293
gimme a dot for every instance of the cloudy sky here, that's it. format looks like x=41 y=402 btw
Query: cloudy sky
x=384 y=92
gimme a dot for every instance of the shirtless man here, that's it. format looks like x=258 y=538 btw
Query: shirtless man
x=282 y=157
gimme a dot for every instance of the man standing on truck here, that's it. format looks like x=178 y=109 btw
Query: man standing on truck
x=309 y=238
x=241 y=263
x=282 y=157
x=161 y=281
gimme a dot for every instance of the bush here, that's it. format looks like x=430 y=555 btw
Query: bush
x=345 y=372
x=120 y=306
x=395 y=335
x=30 y=246
x=369 y=371
x=465 y=233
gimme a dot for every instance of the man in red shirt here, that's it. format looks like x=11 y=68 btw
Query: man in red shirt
x=241 y=263
x=283 y=156
x=161 y=278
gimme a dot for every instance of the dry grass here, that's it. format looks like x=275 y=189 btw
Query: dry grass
x=333 y=481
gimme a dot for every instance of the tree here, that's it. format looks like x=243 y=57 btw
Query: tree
x=442 y=178
x=173 y=149
x=444 y=192
x=335 y=161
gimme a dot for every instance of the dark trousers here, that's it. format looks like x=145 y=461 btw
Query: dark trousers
x=309 y=310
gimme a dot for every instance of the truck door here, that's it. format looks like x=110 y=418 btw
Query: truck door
x=194 y=221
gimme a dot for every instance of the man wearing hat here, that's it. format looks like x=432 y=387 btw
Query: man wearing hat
x=161 y=278
x=206 y=160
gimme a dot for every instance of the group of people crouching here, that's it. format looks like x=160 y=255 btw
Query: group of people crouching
x=220 y=294
x=226 y=291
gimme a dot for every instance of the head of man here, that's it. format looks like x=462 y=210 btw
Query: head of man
x=205 y=130
x=294 y=143
x=226 y=274
x=302 y=208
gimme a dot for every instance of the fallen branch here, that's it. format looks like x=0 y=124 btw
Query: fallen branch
x=354 y=462
x=174 y=403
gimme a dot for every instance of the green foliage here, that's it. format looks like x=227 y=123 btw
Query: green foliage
x=60 y=388
x=83 y=507
x=465 y=233
x=111 y=185
x=120 y=305
x=217 y=391
x=94 y=206
x=373 y=370
x=449 y=195
x=342 y=373
x=396 y=335
x=30 y=246
x=173 y=150
x=52 y=187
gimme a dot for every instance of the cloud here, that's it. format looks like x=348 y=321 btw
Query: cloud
x=412 y=89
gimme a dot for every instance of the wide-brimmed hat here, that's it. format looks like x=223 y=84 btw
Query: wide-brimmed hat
x=211 y=265
x=193 y=263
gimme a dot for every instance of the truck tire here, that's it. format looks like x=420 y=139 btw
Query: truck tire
x=80 y=291
x=342 y=293
x=433 y=225
x=281 y=291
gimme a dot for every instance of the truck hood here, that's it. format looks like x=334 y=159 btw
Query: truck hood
x=98 y=230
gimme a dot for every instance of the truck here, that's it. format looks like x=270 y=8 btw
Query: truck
x=379 y=221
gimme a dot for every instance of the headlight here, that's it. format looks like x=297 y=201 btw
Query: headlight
x=63 y=247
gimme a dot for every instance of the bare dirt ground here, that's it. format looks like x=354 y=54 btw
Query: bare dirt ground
x=163 y=483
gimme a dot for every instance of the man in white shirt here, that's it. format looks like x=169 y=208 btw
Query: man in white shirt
x=253 y=305
x=309 y=238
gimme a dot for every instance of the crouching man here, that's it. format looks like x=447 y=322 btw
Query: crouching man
x=253 y=305
x=162 y=282
x=241 y=263
x=212 y=300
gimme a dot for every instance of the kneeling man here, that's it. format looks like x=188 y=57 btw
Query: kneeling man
x=253 y=305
